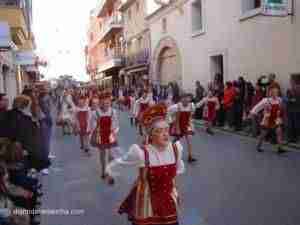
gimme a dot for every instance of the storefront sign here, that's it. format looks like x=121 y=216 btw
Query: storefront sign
x=31 y=68
x=26 y=58
x=275 y=7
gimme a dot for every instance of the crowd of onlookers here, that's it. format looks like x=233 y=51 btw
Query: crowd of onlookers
x=25 y=134
x=236 y=98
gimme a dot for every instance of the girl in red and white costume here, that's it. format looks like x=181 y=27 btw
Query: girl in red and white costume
x=211 y=106
x=107 y=127
x=82 y=123
x=182 y=126
x=141 y=105
x=153 y=199
x=272 y=117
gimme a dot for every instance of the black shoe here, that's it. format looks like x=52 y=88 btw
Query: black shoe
x=281 y=151
x=209 y=131
x=35 y=223
x=39 y=194
x=191 y=160
x=259 y=149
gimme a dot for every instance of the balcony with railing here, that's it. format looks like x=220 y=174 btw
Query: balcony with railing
x=112 y=58
x=139 y=58
x=12 y=3
x=102 y=6
x=110 y=26
x=14 y=13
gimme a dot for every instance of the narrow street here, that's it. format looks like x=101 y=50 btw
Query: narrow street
x=231 y=184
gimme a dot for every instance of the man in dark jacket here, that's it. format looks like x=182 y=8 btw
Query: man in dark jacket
x=293 y=112
x=3 y=115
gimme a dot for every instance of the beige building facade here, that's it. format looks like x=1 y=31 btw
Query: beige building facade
x=104 y=51
x=195 y=39
x=136 y=41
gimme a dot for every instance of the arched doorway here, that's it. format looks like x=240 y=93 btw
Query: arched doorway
x=167 y=65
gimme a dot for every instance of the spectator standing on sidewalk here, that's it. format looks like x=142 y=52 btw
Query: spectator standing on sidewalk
x=229 y=97
x=293 y=112
x=218 y=88
x=199 y=94
x=258 y=96
x=46 y=124
x=238 y=105
x=176 y=92
x=273 y=83
x=24 y=128
x=3 y=114
x=248 y=97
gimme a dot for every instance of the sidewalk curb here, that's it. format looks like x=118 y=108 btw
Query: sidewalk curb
x=200 y=124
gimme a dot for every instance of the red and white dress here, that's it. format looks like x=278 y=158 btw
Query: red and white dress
x=106 y=127
x=272 y=112
x=182 y=124
x=83 y=118
x=211 y=106
x=153 y=199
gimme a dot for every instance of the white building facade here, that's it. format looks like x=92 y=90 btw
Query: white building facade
x=8 y=68
x=195 y=39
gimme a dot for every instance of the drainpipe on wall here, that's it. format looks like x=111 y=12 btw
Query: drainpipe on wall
x=292 y=13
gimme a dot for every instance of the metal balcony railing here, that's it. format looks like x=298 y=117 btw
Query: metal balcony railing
x=109 y=23
x=114 y=53
x=141 y=57
x=99 y=7
x=13 y=3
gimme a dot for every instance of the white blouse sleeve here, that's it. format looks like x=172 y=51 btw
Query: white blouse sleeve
x=259 y=107
x=217 y=103
x=134 y=158
x=180 y=163
x=89 y=120
x=115 y=121
x=136 y=108
x=93 y=120
x=173 y=109
x=193 y=108
x=201 y=103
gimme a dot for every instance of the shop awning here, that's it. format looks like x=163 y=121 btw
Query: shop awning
x=139 y=69
x=30 y=69
x=5 y=37
x=24 y=58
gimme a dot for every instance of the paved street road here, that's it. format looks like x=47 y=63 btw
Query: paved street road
x=230 y=185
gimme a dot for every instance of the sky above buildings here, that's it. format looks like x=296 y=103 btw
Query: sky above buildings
x=60 y=28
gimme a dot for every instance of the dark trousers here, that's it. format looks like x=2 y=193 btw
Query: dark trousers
x=221 y=116
x=238 y=115
x=159 y=224
x=230 y=116
x=293 y=126
x=198 y=113
x=22 y=180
